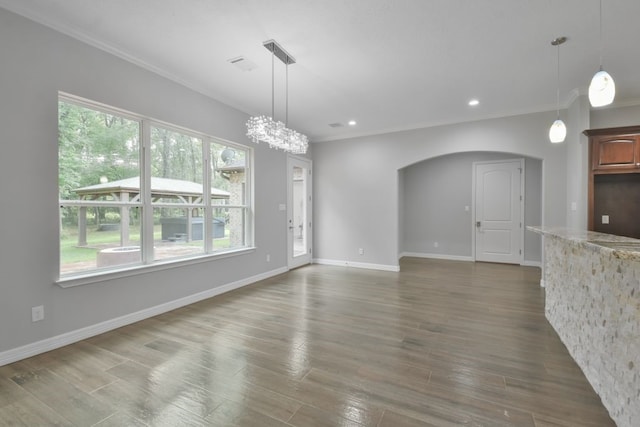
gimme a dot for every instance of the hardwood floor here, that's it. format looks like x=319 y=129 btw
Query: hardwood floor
x=442 y=343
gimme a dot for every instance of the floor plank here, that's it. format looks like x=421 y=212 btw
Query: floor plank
x=442 y=343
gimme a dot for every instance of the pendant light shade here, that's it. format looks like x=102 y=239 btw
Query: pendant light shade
x=602 y=89
x=557 y=132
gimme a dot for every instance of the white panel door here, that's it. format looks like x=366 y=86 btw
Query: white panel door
x=498 y=211
x=299 y=211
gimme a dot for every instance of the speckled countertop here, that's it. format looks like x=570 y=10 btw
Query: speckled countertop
x=592 y=300
x=619 y=246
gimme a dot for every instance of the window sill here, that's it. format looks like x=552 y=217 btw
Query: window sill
x=103 y=276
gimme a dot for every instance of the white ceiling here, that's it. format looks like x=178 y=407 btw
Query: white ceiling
x=389 y=64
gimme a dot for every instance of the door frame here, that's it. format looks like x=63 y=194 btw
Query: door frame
x=294 y=262
x=473 y=203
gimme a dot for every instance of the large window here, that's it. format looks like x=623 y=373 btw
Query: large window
x=136 y=192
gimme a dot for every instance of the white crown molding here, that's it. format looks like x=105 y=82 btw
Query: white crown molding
x=23 y=10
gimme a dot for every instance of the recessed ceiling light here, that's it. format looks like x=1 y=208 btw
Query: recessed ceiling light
x=473 y=102
x=352 y=122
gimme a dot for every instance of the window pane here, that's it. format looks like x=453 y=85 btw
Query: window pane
x=176 y=167
x=229 y=228
x=178 y=232
x=228 y=166
x=100 y=160
x=98 y=155
x=98 y=237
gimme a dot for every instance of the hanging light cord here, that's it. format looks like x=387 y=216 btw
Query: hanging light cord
x=558 y=84
x=273 y=91
x=601 y=44
x=286 y=108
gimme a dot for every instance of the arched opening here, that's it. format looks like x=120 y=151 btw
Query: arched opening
x=436 y=211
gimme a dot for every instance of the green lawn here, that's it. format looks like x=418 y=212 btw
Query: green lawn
x=71 y=253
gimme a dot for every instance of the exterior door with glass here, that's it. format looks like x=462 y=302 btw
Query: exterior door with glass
x=299 y=211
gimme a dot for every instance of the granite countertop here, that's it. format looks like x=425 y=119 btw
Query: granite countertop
x=619 y=246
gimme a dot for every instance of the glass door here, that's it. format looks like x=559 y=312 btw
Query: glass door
x=299 y=211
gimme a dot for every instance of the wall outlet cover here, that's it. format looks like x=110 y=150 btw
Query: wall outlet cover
x=37 y=313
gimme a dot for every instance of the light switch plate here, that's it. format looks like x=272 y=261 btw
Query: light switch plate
x=605 y=219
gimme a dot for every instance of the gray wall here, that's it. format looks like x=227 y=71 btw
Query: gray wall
x=615 y=117
x=577 y=164
x=436 y=192
x=357 y=183
x=38 y=62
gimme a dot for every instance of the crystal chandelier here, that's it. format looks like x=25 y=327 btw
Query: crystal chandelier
x=273 y=132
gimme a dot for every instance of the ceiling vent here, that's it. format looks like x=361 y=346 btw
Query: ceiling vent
x=336 y=125
x=243 y=63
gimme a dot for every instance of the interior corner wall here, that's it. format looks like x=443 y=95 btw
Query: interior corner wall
x=357 y=180
x=577 y=163
x=37 y=62
x=402 y=219
x=533 y=182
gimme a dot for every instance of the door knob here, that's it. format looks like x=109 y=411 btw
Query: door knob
x=478 y=224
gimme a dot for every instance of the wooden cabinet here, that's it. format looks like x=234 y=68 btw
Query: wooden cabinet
x=615 y=153
x=614 y=180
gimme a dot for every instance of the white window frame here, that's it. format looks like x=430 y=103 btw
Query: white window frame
x=146 y=205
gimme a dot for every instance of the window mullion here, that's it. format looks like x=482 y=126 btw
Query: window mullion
x=145 y=186
x=206 y=189
x=249 y=200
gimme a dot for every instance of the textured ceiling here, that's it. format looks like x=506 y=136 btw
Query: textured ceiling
x=389 y=65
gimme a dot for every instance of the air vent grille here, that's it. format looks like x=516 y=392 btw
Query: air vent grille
x=243 y=63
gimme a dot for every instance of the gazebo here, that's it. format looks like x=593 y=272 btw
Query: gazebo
x=128 y=190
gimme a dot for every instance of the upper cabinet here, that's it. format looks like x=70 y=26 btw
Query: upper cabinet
x=615 y=150
x=614 y=181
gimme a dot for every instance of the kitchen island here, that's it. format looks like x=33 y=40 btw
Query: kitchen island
x=592 y=283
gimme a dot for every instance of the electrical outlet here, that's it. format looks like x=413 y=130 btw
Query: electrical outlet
x=435 y=244
x=268 y=258
x=37 y=313
x=605 y=219
x=361 y=251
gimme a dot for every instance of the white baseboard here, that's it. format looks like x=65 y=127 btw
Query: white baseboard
x=58 y=341
x=532 y=264
x=436 y=256
x=364 y=265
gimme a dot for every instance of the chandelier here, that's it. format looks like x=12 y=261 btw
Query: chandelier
x=273 y=132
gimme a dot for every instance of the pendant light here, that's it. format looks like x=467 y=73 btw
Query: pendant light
x=602 y=89
x=558 y=131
